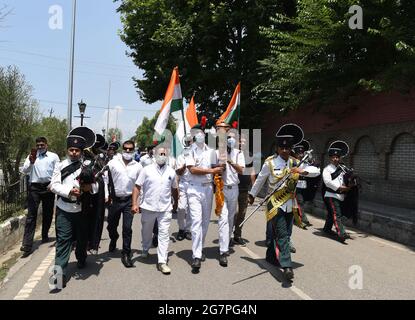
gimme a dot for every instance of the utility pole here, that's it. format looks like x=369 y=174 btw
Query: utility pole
x=71 y=67
x=50 y=112
x=108 y=109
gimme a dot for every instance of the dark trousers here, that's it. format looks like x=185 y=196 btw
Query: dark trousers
x=114 y=216
x=70 y=225
x=240 y=215
x=334 y=216
x=279 y=246
x=96 y=217
x=36 y=195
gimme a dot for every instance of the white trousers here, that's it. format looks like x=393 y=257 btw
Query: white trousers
x=226 y=219
x=183 y=214
x=148 y=219
x=200 y=206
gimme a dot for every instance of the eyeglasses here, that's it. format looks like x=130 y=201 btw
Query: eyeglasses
x=128 y=149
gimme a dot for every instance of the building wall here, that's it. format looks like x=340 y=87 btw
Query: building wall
x=380 y=131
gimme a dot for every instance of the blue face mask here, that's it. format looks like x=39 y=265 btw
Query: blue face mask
x=231 y=142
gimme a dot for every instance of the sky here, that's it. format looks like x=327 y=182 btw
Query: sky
x=33 y=38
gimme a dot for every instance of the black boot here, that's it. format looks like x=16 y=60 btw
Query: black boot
x=288 y=273
x=126 y=260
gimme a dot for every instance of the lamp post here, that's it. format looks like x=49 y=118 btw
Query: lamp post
x=82 y=107
x=103 y=133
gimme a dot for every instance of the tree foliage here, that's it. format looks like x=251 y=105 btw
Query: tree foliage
x=114 y=133
x=145 y=132
x=214 y=43
x=18 y=116
x=315 y=56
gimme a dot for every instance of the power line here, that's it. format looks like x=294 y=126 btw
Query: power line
x=111 y=65
x=96 y=107
x=63 y=69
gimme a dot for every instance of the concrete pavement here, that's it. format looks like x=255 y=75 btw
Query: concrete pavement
x=366 y=267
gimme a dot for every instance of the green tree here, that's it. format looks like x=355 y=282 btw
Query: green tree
x=214 y=43
x=145 y=132
x=114 y=133
x=54 y=129
x=18 y=116
x=316 y=57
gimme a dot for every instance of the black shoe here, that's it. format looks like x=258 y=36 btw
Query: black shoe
x=180 y=235
x=45 y=240
x=288 y=273
x=308 y=224
x=347 y=236
x=155 y=241
x=231 y=243
x=223 y=261
x=126 y=261
x=293 y=249
x=342 y=239
x=196 y=263
x=203 y=259
x=188 y=235
x=239 y=240
x=26 y=251
x=81 y=264
x=330 y=233
x=112 y=246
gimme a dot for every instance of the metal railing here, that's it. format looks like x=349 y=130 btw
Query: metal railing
x=13 y=198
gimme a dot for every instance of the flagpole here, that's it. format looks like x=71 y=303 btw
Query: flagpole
x=184 y=122
x=239 y=109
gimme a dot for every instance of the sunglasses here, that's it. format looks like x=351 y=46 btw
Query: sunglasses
x=128 y=149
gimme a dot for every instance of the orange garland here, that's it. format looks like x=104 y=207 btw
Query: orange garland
x=219 y=196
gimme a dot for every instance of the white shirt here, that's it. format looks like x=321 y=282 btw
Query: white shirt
x=62 y=188
x=123 y=175
x=42 y=170
x=277 y=165
x=312 y=172
x=156 y=184
x=332 y=184
x=203 y=158
x=180 y=162
x=230 y=175
x=146 y=160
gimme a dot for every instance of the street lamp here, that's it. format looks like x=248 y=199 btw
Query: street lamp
x=103 y=132
x=82 y=107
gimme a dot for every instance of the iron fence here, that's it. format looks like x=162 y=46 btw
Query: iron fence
x=13 y=197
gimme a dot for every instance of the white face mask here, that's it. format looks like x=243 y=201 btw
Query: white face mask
x=127 y=156
x=41 y=152
x=231 y=143
x=200 y=138
x=161 y=160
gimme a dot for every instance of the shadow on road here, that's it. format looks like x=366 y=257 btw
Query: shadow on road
x=320 y=233
x=93 y=267
x=273 y=270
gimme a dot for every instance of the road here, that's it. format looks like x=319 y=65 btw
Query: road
x=366 y=267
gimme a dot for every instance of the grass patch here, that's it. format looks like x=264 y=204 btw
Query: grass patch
x=5 y=267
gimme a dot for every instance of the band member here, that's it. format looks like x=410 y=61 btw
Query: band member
x=157 y=184
x=335 y=190
x=183 y=214
x=96 y=211
x=123 y=171
x=71 y=183
x=233 y=161
x=281 y=207
x=39 y=165
x=200 y=163
x=246 y=180
x=112 y=149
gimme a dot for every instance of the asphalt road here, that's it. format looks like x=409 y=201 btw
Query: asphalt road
x=366 y=267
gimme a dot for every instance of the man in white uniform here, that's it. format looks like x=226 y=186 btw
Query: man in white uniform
x=274 y=169
x=235 y=163
x=158 y=184
x=183 y=214
x=200 y=163
x=335 y=190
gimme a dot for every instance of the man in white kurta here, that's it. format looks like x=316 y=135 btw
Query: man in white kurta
x=158 y=184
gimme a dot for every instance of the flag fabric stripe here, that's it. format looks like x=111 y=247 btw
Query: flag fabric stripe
x=172 y=102
x=191 y=115
x=231 y=113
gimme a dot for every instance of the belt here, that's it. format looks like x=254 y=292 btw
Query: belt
x=40 y=185
x=204 y=184
x=231 y=187
x=122 y=199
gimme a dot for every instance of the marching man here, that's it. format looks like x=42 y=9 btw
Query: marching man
x=158 y=184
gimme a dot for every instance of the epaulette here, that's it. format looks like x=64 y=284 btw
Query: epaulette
x=270 y=157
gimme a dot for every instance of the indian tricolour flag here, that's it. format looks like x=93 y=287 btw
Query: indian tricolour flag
x=232 y=112
x=190 y=119
x=173 y=101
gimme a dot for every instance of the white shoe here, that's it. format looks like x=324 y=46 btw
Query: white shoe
x=144 y=255
x=164 y=268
